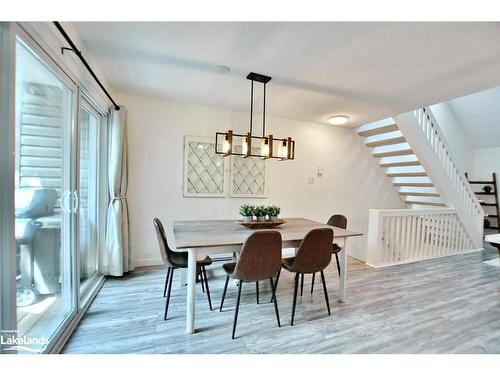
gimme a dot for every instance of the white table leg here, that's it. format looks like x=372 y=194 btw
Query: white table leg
x=190 y=299
x=343 y=274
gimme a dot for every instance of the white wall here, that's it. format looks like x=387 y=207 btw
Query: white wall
x=486 y=161
x=460 y=146
x=352 y=182
x=479 y=115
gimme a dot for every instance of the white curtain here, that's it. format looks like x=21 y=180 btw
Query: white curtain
x=117 y=258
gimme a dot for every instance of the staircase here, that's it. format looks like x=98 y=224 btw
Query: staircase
x=401 y=165
x=443 y=216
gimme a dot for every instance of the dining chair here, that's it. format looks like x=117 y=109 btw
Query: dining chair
x=339 y=221
x=174 y=260
x=259 y=259
x=313 y=255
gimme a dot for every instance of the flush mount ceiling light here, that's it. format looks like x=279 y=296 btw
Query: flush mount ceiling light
x=229 y=143
x=337 y=120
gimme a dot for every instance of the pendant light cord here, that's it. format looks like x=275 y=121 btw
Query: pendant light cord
x=264 y=114
x=251 y=108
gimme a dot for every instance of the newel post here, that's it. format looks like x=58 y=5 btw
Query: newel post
x=374 y=239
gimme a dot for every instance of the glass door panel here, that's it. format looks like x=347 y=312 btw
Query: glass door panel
x=88 y=213
x=45 y=104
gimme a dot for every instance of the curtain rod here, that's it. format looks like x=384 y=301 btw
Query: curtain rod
x=82 y=59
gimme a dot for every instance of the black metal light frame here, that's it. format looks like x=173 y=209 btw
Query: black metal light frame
x=274 y=143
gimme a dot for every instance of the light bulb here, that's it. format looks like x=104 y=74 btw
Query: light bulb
x=264 y=150
x=244 y=146
x=226 y=146
x=284 y=150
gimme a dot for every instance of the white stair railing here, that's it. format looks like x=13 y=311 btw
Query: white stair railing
x=404 y=235
x=429 y=126
x=422 y=133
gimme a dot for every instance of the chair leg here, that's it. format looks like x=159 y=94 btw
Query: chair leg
x=224 y=293
x=237 y=308
x=301 y=284
x=169 y=292
x=338 y=263
x=312 y=283
x=257 y=291
x=326 y=293
x=275 y=302
x=204 y=270
x=276 y=283
x=200 y=272
x=166 y=282
x=295 y=296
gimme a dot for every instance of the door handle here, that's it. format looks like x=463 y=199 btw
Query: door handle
x=76 y=201
x=64 y=196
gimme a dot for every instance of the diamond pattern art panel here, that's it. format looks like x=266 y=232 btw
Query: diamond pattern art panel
x=248 y=175
x=204 y=170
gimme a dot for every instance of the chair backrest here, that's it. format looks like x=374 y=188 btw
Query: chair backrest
x=315 y=251
x=339 y=221
x=165 y=251
x=260 y=256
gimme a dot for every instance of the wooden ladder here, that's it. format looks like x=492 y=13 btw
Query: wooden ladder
x=494 y=193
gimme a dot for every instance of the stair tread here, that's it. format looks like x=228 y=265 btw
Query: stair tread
x=422 y=184
x=380 y=130
x=407 y=174
x=418 y=194
x=422 y=203
x=386 y=142
x=484 y=193
x=488 y=204
x=409 y=163
x=380 y=154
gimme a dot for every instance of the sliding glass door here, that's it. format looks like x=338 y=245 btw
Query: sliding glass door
x=88 y=212
x=44 y=203
x=53 y=156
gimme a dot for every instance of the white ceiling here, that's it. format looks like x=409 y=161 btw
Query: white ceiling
x=479 y=116
x=367 y=71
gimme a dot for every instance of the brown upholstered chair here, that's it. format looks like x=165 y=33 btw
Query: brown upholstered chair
x=259 y=259
x=174 y=260
x=339 y=221
x=313 y=255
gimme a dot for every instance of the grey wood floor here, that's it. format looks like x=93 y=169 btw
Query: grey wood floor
x=448 y=305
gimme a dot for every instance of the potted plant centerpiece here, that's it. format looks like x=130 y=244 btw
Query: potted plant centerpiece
x=260 y=213
x=273 y=212
x=247 y=211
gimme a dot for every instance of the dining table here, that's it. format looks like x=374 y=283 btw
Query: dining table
x=494 y=240
x=200 y=238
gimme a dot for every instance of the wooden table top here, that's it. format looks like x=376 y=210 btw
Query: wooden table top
x=493 y=238
x=209 y=233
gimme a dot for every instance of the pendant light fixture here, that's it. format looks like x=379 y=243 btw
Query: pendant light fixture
x=269 y=146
